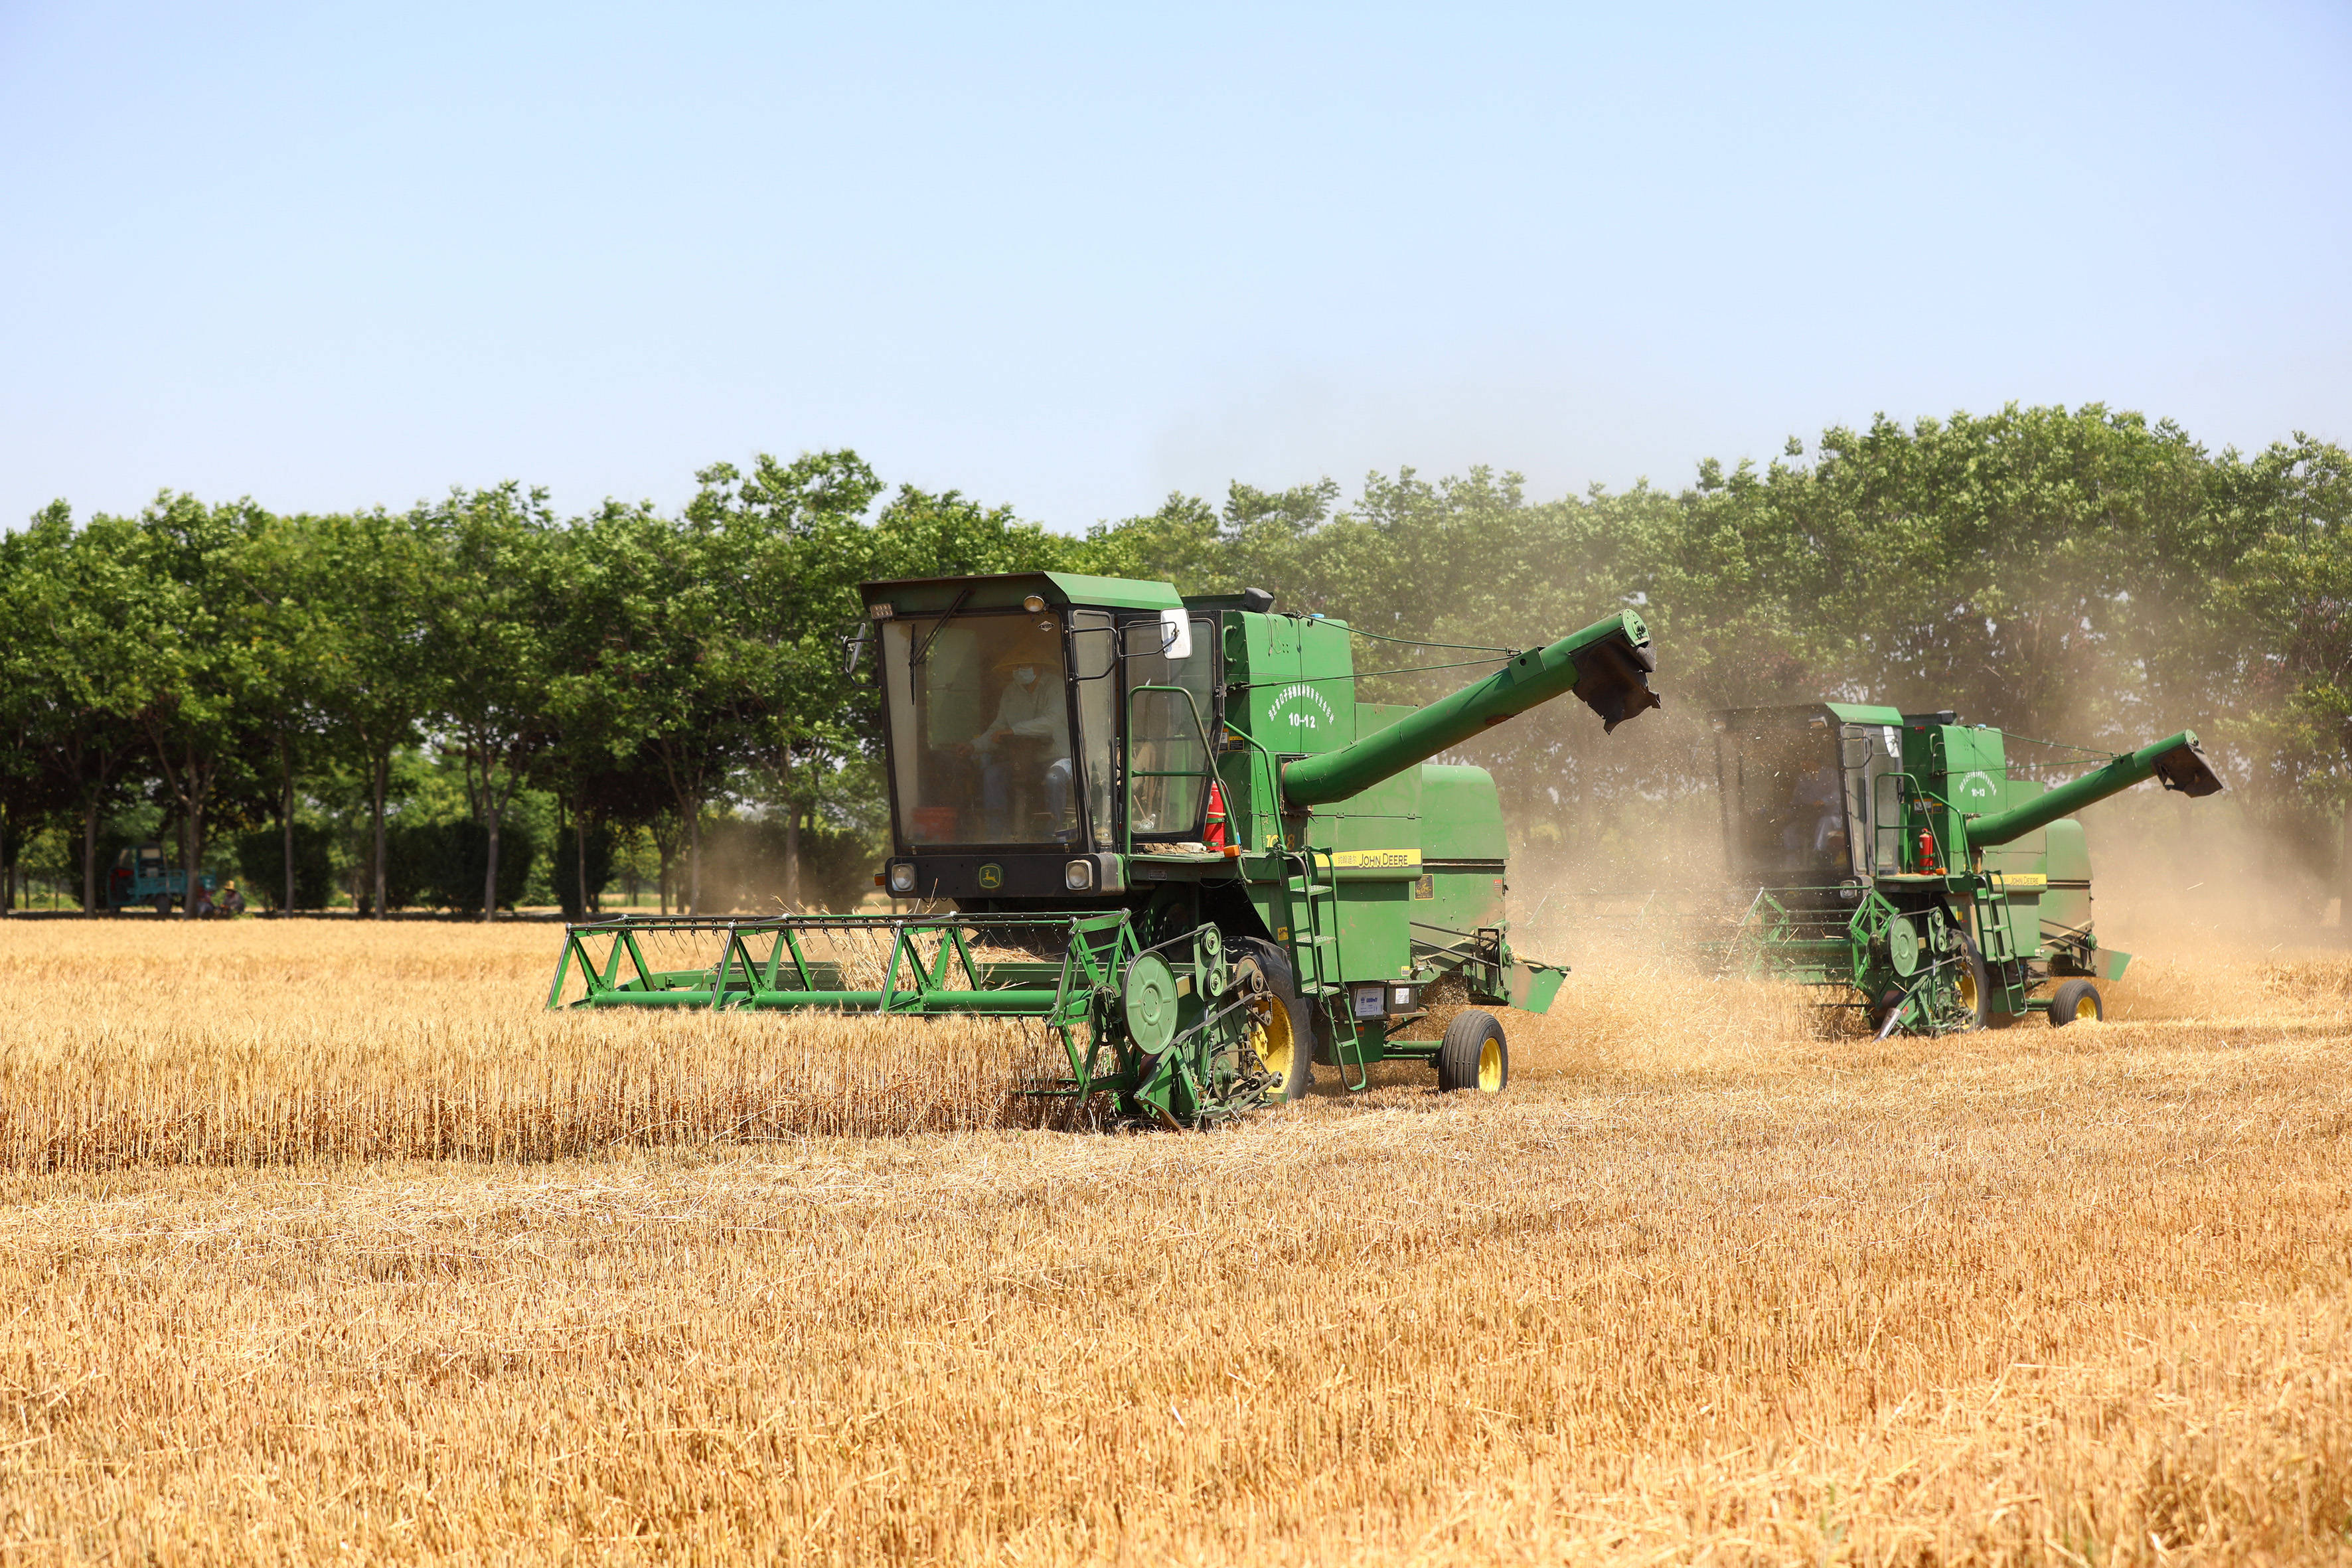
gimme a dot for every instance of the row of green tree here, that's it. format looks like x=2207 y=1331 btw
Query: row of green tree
x=222 y=660
x=2084 y=575
x=2078 y=573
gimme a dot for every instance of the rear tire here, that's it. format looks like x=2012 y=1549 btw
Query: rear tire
x=2076 y=1001
x=1282 y=1029
x=163 y=902
x=1474 y=1054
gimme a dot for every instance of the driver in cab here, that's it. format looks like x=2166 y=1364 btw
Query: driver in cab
x=1032 y=711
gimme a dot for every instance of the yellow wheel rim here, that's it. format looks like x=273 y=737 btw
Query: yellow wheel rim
x=1968 y=991
x=2085 y=1006
x=1269 y=1036
x=1490 y=1066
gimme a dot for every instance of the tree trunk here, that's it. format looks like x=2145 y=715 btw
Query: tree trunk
x=490 y=875
x=286 y=816
x=693 y=860
x=792 y=857
x=784 y=779
x=580 y=861
x=2344 y=872
x=196 y=837
x=380 y=765
x=89 y=856
x=192 y=873
x=191 y=787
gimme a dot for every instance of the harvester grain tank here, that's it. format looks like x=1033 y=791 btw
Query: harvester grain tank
x=1897 y=863
x=1167 y=828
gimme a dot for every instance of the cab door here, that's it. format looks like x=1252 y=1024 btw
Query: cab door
x=1172 y=722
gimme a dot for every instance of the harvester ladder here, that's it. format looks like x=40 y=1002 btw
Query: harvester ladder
x=1994 y=943
x=1314 y=930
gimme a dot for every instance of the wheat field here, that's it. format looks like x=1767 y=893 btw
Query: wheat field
x=322 y=1242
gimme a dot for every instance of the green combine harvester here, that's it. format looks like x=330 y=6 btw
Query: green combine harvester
x=1165 y=828
x=1897 y=865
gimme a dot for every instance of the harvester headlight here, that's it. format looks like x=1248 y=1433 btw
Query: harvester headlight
x=902 y=876
x=1078 y=876
x=1032 y=603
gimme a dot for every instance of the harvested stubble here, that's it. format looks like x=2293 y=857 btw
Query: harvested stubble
x=1707 y=1284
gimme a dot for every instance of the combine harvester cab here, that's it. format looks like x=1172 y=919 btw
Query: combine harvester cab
x=1896 y=863
x=1165 y=828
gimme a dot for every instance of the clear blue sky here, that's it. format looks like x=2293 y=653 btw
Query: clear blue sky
x=1073 y=258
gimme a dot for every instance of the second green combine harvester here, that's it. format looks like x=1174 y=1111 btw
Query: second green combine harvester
x=1896 y=863
x=1165 y=828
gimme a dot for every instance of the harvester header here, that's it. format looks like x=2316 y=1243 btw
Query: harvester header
x=1167 y=828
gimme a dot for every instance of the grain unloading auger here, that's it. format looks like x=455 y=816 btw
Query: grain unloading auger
x=1169 y=832
x=1896 y=863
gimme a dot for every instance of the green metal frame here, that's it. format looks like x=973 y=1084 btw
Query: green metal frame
x=1903 y=947
x=764 y=964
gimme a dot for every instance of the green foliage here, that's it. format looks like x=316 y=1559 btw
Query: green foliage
x=70 y=683
x=568 y=868
x=261 y=867
x=201 y=660
x=675 y=682
x=445 y=865
x=360 y=588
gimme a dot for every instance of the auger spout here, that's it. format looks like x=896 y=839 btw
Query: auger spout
x=2178 y=760
x=1607 y=665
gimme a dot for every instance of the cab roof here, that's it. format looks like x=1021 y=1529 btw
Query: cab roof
x=1843 y=712
x=1863 y=713
x=1005 y=590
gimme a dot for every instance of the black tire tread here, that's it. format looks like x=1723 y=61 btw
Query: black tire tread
x=1458 y=1052
x=2062 y=1002
x=1275 y=965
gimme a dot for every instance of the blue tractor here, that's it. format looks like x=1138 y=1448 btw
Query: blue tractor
x=142 y=874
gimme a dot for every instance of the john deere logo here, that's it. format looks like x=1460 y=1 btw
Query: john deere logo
x=991 y=877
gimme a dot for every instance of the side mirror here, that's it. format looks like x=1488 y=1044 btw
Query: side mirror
x=1169 y=638
x=1093 y=638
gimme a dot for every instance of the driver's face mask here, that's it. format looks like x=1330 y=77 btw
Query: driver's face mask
x=1025 y=675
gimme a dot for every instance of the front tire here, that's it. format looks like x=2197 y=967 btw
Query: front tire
x=1474 y=1054
x=1974 y=984
x=2076 y=1001
x=1281 y=1029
